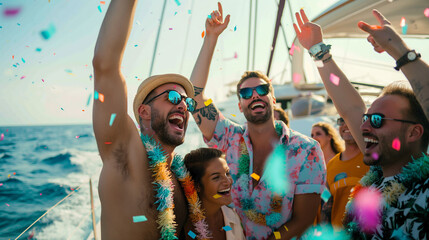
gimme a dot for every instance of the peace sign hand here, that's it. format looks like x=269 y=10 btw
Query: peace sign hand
x=215 y=25
x=308 y=33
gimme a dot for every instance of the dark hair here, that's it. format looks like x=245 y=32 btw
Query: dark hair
x=282 y=114
x=197 y=160
x=254 y=74
x=336 y=142
x=415 y=112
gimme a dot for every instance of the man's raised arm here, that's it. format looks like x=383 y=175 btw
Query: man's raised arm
x=206 y=114
x=385 y=38
x=347 y=100
x=108 y=81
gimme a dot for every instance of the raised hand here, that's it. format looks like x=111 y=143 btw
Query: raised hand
x=383 y=37
x=216 y=24
x=308 y=33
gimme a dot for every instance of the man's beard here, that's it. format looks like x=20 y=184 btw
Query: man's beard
x=160 y=127
x=260 y=118
x=386 y=154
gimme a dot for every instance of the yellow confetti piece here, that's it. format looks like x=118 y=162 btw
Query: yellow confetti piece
x=255 y=176
x=208 y=102
x=233 y=115
x=277 y=235
x=286 y=228
x=202 y=34
x=216 y=196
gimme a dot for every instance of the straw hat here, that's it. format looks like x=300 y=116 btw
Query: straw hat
x=153 y=82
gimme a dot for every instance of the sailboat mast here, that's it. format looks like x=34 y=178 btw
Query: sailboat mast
x=248 y=42
x=276 y=32
x=254 y=34
x=157 y=38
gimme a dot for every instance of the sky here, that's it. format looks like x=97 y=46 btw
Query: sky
x=49 y=81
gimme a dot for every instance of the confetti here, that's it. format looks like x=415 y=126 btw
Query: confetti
x=23 y=60
x=40 y=194
x=296 y=78
x=95 y=95
x=77 y=137
x=334 y=79
x=13 y=56
x=275 y=168
x=375 y=156
x=99 y=8
x=233 y=115
x=287 y=230
x=326 y=195
x=208 y=102
x=235 y=28
x=11 y=12
x=227 y=228
x=102 y=2
x=177 y=2
x=140 y=218
x=62 y=109
x=426 y=12
x=38 y=49
x=235 y=55
x=396 y=144
x=375 y=27
x=192 y=234
x=277 y=235
x=255 y=176
x=2 y=137
x=7 y=205
x=22 y=77
x=293 y=48
x=368 y=206
x=209 y=16
x=216 y=196
x=101 y=97
x=68 y=71
x=1 y=184
x=107 y=143
x=402 y=24
x=112 y=118
x=202 y=34
x=136 y=45
x=189 y=11
x=405 y=29
x=46 y=34
x=89 y=100
x=170 y=28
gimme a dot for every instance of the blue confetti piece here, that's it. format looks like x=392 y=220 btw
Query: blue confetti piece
x=95 y=95
x=46 y=34
x=235 y=28
x=192 y=234
x=99 y=8
x=209 y=16
x=68 y=71
x=177 y=2
x=112 y=119
x=1 y=27
x=175 y=13
x=89 y=100
x=227 y=228
x=275 y=169
x=14 y=65
x=23 y=60
x=140 y=218
x=405 y=29
x=38 y=49
x=19 y=24
x=326 y=195
x=62 y=109
x=189 y=11
x=135 y=45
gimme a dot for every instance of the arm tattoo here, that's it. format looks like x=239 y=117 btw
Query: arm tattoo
x=198 y=90
x=198 y=119
x=209 y=112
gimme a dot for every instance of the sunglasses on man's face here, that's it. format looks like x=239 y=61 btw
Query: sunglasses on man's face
x=340 y=122
x=247 y=93
x=376 y=119
x=175 y=98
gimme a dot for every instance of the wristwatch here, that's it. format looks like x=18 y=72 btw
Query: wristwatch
x=410 y=56
x=319 y=50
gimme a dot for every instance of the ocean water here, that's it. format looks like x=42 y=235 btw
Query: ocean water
x=40 y=165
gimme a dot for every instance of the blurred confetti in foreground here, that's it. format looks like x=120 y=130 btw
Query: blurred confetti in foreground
x=367 y=208
x=275 y=170
x=323 y=232
x=48 y=33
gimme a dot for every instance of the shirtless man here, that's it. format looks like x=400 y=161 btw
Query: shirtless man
x=125 y=186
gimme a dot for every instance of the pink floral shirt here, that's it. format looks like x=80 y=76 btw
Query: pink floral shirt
x=305 y=171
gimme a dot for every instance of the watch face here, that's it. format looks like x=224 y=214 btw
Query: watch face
x=411 y=56
x=316 y=49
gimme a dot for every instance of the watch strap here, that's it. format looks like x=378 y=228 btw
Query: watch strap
x=404 y=59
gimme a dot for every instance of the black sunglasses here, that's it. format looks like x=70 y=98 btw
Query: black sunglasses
x=247 y=93
x=376 y=119
x=175 y=98
x=340 y=121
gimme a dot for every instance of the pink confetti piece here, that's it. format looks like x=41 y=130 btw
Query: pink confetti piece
x=293 y=48
x=296 y=78
x=170 y=28
x=368 y=205
x=40 y=194
x=2 y=137
x=43 y=80
x=11 y=12
x=77 y=137
x=375 y=156
x=426 y=12
x=396 y=144
x=22 y=77
x=235 y=55
x=7 y=205
x=334 y=79
x=1 y=184
x=402 y=24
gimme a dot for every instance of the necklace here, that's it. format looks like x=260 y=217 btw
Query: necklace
x=414 y=172
x=164 y=191
x=246 y=201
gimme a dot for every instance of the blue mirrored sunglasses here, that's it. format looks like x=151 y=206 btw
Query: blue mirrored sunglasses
x=175 y=98
x=376 y=119
x=247 y=93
